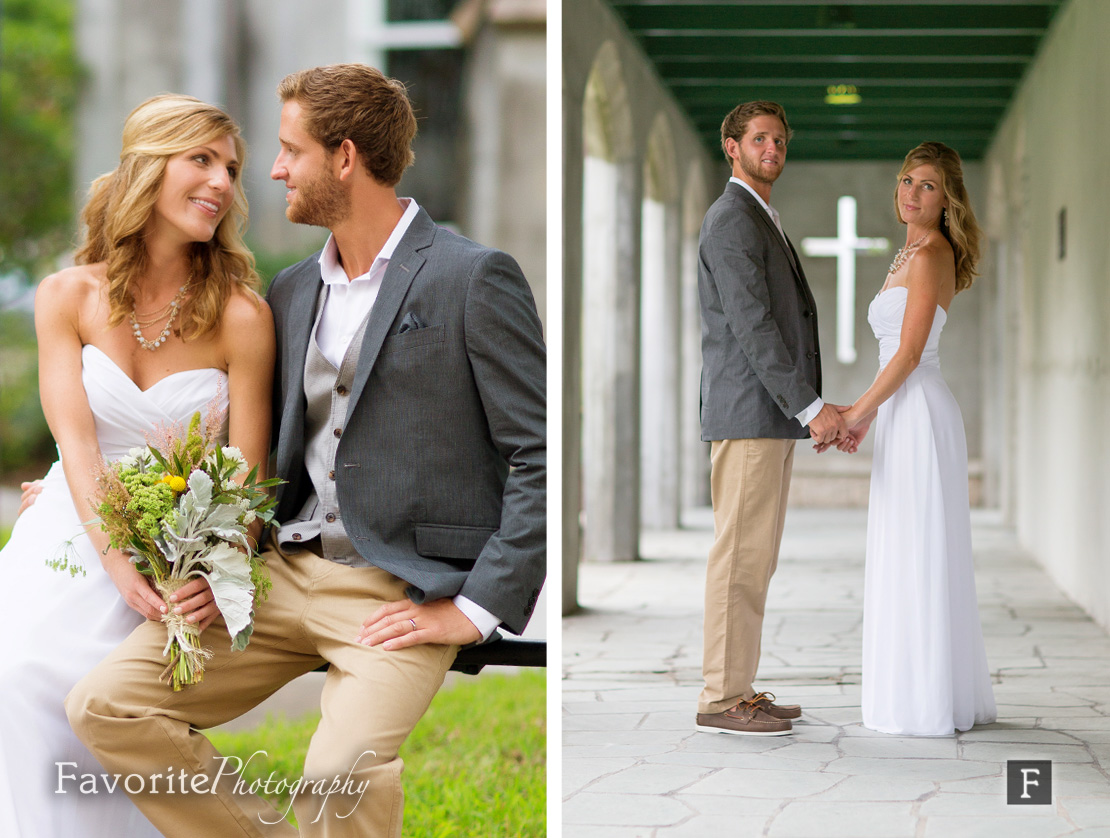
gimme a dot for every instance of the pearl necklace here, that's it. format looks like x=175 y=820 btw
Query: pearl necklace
x=901 y=257
x=174 y=305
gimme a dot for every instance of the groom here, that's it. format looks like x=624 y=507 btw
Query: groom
x=410 y=427
x=760 y=391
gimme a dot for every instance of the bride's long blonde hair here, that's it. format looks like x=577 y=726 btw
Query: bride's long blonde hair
x=121 y=201
x=961 y=229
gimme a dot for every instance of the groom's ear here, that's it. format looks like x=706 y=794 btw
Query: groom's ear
x=346 y=159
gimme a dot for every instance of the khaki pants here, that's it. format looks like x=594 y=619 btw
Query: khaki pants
x=750 y=480
x=371 y=701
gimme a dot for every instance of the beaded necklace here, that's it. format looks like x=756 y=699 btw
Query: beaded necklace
x=905 y=253
x=174 y=305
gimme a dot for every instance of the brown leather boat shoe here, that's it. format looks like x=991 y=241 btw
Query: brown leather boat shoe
x=745 y=719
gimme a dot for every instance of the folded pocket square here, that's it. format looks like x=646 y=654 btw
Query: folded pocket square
x=410 y=322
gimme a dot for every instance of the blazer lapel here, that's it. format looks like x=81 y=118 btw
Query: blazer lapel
x=784 y=243
x=404 y=265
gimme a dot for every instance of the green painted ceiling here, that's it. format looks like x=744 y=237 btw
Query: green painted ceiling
x=939 y=69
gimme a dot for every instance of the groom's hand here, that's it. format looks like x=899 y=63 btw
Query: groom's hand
x=400 y=624
x=828 y=425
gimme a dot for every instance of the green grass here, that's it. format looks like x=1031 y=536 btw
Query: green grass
x=474 y=766
x=5 y=534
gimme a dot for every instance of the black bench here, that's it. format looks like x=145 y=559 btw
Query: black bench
x=497 y=651
x=500 y=651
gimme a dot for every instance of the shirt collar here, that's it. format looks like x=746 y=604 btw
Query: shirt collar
x=755 y=194
x=332 y=272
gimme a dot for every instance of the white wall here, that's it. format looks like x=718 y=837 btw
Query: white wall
x=1048 y=155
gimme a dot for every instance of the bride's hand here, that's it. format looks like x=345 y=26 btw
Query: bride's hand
x=195 y=600
x=31 y=491
x=856 y=432
x=133 y=586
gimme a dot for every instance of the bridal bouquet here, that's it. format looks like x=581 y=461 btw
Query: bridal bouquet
x=176 y=507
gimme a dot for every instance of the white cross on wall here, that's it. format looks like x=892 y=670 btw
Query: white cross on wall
x=844 y=248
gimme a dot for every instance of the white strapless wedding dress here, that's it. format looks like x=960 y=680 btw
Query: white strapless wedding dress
x=924 y=665
x=55 y=627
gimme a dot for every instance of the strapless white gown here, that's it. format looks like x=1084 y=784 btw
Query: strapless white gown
x=55 y=627
x=924 y=664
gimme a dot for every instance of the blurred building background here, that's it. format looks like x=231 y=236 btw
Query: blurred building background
x=474 y=70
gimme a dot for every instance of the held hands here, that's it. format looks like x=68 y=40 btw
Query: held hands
x=398 y=625
x=857 y=427
x=828 y=426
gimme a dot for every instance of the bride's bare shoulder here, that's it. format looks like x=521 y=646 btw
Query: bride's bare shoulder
x=75 y=283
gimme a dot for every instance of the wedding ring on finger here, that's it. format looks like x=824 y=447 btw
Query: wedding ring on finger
x=413 y=622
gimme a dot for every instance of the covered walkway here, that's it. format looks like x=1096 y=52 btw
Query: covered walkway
x=635 y=768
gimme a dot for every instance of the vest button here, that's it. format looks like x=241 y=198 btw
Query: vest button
x=330 y=517
x=338 y=432
x=341 y=390
x=331 y=475
x=809 y=354
x=296 y=536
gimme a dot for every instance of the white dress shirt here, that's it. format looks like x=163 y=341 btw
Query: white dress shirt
x=810 y=413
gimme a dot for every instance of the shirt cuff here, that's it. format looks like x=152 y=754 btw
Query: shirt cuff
x=810 y=413
x=485 y=622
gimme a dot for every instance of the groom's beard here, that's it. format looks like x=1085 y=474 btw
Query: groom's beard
x=323 y=202
x=752 y=169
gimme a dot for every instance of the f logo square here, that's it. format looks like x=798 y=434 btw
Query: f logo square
x=1028 y=782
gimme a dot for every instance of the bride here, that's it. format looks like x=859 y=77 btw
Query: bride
x=924 y=664
x=158 y=319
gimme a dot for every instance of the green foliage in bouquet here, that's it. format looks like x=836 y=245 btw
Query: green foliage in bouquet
x=177 y=507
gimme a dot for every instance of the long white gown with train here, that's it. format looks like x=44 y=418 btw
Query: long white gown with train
x=55 y=627
x=924 y=664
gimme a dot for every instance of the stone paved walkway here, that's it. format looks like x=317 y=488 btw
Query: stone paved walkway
x=633 y=766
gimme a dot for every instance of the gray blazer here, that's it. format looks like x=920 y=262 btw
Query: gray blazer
x=761 y=364
x=441 y=469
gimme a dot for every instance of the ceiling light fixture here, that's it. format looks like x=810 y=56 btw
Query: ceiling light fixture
x=842 y=94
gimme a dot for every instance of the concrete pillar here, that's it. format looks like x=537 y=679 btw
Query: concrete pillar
x=659 y=368
x=694 y=452
x=573 y=181
x=505 y=177
x=610 y=324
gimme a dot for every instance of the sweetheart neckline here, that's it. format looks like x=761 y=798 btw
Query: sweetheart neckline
x=907 y=290
x=134 y=384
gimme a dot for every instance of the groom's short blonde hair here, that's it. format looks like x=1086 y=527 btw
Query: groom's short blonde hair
x=736 y=123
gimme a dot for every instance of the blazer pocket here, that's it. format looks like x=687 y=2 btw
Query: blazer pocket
x=445 y=541
x=414 y=338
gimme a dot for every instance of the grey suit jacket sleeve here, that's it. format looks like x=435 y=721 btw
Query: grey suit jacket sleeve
x=504 y=345
x=736 y=261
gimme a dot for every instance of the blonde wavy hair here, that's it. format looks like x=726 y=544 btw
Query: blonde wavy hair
x=121 y=201
x=961 y=229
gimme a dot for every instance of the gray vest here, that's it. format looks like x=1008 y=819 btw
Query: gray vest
x=328 y=391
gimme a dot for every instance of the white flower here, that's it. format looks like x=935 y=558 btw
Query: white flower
x=233 y=453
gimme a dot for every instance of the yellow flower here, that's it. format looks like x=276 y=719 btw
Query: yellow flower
x=178 y=484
